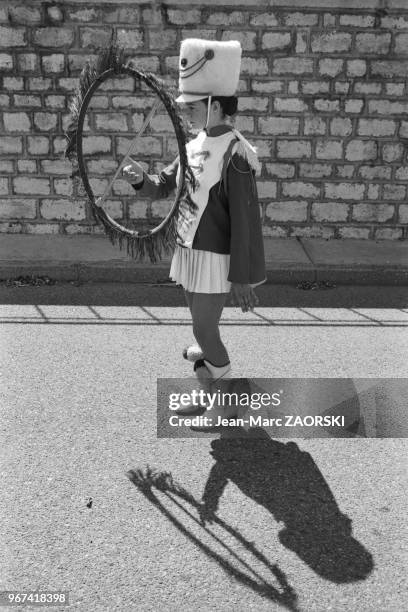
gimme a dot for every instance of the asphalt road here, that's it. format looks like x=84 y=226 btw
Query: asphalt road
x=95 y=504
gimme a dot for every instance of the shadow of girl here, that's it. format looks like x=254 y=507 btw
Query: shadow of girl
x=286 y=482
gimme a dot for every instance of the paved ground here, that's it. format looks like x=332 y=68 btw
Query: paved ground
x=78 y=425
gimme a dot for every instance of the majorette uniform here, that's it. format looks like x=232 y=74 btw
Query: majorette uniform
x=220 y=242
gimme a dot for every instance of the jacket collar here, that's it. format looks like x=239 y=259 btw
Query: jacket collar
x=218 y=130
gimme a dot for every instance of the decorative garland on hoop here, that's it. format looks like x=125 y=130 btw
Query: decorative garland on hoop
x=162 y=238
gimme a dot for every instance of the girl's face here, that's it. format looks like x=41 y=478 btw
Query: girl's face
x=196 y=114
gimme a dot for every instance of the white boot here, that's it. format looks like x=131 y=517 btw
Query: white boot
x=193 y=353
x=204 y=379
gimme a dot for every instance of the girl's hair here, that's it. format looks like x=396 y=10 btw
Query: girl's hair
x=229 y=104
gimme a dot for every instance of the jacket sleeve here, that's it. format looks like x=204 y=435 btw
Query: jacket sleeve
x=247 y=261
x=159 y=185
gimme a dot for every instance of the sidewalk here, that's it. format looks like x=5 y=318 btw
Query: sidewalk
x=288 y=260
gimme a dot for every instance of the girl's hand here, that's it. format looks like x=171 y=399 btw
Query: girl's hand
x=244 y=296
x=133 y=173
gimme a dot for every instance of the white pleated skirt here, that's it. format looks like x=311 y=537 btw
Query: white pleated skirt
x=201 y=271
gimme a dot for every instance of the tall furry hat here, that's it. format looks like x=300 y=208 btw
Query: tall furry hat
x=208 y=68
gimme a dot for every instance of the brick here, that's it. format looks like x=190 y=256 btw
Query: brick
x=146 y=145
x=360 y=150
x=329 y=211
x=345 y=171
x=390 y=68
x=330 y=67
x=53 y=63
x=293 y=87
x=53 y=37
x=329 y=21
x=57 y=102
x=401 y=174
x=160 y=123
x=39 y=228
x=129 y=15
x=98 y=185
x=296 y=149
x=292 y=65
x=291 y=210
x=32 y=101
x=297 y=189
x=24 y=15
x=6 y=166
x=394 y=192
x=279 y=125
x=334 y=42
x=341 y=87
x=253 y=66
x=372 y=212
x=340 y=126
x=301 y=42
x=274 y=231
x=265 y=20
x=387 y=233
x=13 y=83
x=327 y=106
x=205 y=34
x=16 y=122
x=27 y=62
x=266 y=189
x=314 y=125
x=354 y=106
x=276 y=40
x=369 y=43
x=96 y=144
x=243 y=123
x=63 y=187
x=376 y=127
x=10 y=228
x=59 y=145
x=371 y=173
x=162 y=40
x=247 y=39
x=368 y=89
x=404 y=129
x=4 y=188
x=329 y=149
x=12 y=37
x=403 y=213
x=356 y=68
x=394 y=23
x=354 y=232
x=94 y=37
x=312 y=88
x=182 y=17
x=54 y=14
x=290 y=105
x=401 y=44
x=6 y=62
x=56 y=166
x=344 y=191
x=10 y=145
x=395 y=89
x=373 y=192
x=130 y=39
x=227 y=19
x=312 y=232
x=357 y=21
x=45 y=121
x=75 y=228
x=124 y=84
x=315 y=170
x=300 y=19
x=31 y=185
x=149 y=63
x=27 y=166
x=115 y=122
x=38 y=145
x=254 y=104
x=263 y=147
x=41 y=84
x=82 y=15
x=101 y=166
x=386 y=107
x=17 y=208
x=62 y=210
x=268 y=86
x=280 y=170
x=131 y=102
x=138 y=209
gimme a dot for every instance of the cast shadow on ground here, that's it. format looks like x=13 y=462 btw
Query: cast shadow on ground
x=288 y=484
x=148 y=480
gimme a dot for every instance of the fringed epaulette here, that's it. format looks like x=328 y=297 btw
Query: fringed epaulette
x=247 y=151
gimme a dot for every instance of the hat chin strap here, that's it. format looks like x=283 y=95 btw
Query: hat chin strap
x=208 y=111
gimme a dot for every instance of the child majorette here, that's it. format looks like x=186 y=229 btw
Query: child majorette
x=219 y=245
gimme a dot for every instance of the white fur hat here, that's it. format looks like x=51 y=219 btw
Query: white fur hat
x=208 y=68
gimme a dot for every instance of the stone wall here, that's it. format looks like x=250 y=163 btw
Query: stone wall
x=323 y=95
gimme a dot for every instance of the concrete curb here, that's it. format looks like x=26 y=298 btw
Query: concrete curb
x=129 y=272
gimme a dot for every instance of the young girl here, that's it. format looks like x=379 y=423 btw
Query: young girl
x=219 y=246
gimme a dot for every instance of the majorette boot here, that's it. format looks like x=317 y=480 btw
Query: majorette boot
x=220 y=377
x=193 y=353
x=204 y=379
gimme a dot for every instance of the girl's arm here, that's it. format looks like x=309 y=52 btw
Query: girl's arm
x=158 y=185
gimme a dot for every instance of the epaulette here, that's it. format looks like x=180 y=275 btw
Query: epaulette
x=247 y=151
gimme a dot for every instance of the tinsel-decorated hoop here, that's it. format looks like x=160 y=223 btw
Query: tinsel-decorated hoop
x=162 y=238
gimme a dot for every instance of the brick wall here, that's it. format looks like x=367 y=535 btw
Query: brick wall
x=323 y=95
